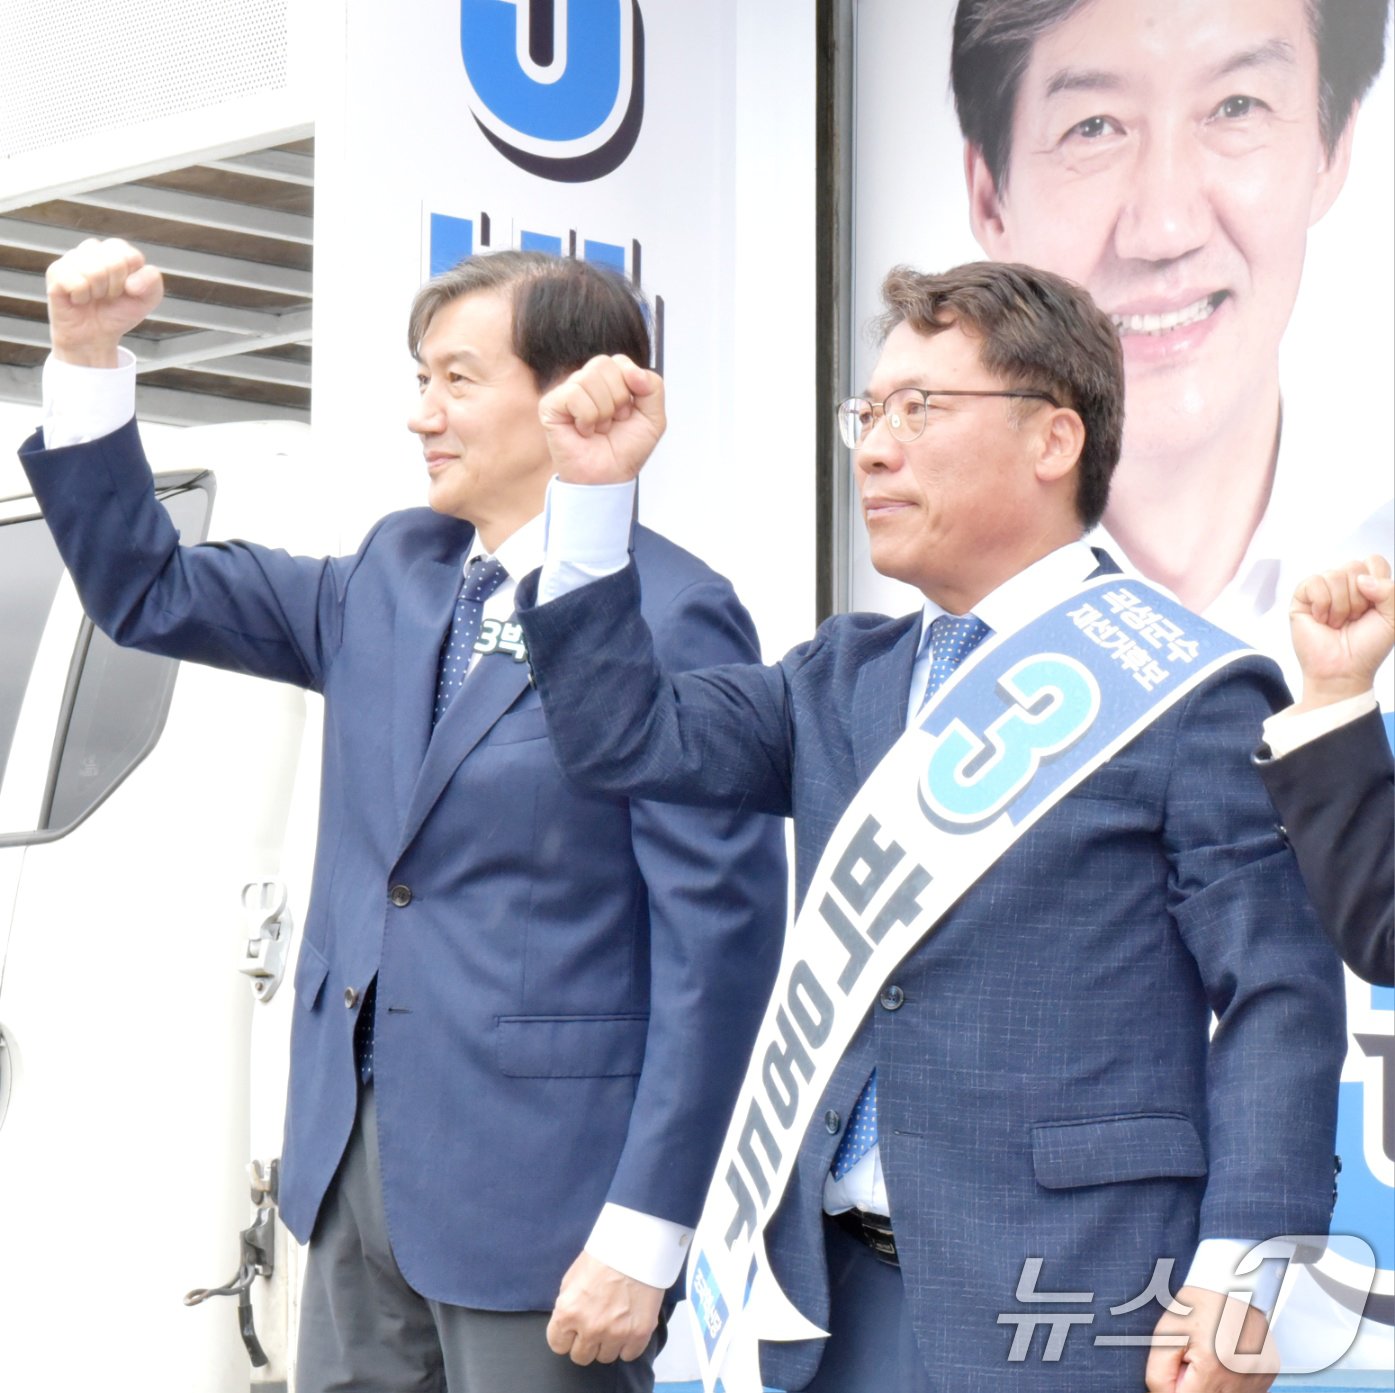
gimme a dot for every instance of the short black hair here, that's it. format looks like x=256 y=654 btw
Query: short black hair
x=565 y=312
x=1036 y=330
x=993 y=42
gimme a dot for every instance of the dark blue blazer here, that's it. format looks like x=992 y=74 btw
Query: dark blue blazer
x=1045 y=1084
x=1336 y=797
x=568 y=984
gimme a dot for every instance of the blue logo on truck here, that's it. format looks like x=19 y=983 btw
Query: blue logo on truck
x=557 y=86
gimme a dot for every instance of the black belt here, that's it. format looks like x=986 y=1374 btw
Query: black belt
x=872 y=1229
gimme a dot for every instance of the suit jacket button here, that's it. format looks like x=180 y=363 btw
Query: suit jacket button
x=832 y=1122
x=400 y=895
x=893 y=998
x=350 y=998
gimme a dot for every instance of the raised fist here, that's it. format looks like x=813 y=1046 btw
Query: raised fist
x=603 y=421
x=1343 y=628
x=98 y=293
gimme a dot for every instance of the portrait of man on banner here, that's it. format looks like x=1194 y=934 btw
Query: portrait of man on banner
x=1172 y=159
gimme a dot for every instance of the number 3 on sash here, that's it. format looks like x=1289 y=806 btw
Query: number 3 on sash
x=1007 y=756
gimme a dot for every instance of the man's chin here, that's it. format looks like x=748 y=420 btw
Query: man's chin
x=891 y=566
x=442 y=499
x=1185 y=417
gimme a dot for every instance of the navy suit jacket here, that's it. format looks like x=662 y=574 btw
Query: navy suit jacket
x=568 y=984
x=1045 y=1083
x=1336 y=797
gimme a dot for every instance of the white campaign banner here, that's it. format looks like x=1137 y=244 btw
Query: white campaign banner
x=1024 y=720
x=665 y=141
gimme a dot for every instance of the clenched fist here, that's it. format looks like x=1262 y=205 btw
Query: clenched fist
x=603 y=421
x=98 y=293
x=1343 y=627
x=602 y=1315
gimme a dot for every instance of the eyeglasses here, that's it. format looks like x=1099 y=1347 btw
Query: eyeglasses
x=906 y=411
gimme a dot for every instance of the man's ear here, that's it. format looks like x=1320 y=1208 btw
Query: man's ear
x=1062 y=441
x=985 y=206
x=1333 y=172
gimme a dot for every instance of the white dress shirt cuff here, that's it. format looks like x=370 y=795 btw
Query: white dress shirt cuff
x=1214 y=1268
x=1286 y=730
x=639 y=1246
x=587 y=535
x=82 y=404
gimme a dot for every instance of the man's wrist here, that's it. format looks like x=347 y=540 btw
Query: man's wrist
x=639 y=1246
x=87 y=356
x=1287 y=730
x=1224 y=1266
x=83 y=403
x=1316 y=695
x=587 y=529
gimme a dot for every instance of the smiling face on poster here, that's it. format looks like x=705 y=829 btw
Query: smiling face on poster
x=1171 y=158
x=1176 y=158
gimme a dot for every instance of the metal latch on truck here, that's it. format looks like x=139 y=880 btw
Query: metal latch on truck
x=257 y=1259
x=265 y=908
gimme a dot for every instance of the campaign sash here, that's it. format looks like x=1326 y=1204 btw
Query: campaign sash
x=1021 y=723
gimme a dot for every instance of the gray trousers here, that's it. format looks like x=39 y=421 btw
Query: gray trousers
x=871 y=1343
x=364 y=1330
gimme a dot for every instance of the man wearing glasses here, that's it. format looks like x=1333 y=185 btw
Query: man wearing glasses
x=1034 y=1082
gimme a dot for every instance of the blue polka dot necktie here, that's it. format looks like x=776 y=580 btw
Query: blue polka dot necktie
x=861 y=1135
x=952 y=639
x=483 y=577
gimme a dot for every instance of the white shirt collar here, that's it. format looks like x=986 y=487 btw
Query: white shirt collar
x=519 y=553
x=1031 y=592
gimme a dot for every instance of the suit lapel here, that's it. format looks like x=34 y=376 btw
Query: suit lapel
x=492 y=687
x=1105 y=564
x=424 y=609
x=879 y=699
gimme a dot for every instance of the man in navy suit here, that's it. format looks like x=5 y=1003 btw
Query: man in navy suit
x=1327 y=762
x=1056 y=1131
x=522 y=1008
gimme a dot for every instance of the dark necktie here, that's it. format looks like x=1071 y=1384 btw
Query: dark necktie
x=483 y=576
x=952 y=639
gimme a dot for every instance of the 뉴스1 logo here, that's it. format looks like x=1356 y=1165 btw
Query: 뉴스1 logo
x=557 y=86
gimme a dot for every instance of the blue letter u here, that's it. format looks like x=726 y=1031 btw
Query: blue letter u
x=556 y=82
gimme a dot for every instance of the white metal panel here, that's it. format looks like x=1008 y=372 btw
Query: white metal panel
x=145 y=1076
x=91 y=96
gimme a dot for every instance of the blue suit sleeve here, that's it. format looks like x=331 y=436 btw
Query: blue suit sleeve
x=1270 y=976
x=716 y=882
x=622 y=722
x=229 y=604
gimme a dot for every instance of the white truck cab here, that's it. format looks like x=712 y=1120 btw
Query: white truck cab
x=156 y=833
